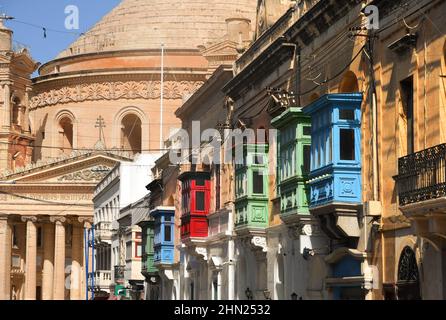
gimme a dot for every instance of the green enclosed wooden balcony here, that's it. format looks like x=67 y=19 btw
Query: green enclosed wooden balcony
x=251 y=187
x=293 y=163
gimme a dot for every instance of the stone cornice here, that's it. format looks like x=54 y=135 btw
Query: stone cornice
x=40 y=165
x=53 y=80
x=121 y=53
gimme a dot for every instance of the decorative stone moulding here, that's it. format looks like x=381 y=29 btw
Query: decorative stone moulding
x=114 y=91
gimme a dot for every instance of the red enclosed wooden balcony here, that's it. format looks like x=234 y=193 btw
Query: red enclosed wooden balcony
x=195 y=199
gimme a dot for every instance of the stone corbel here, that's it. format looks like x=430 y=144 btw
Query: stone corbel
x=201 y=251
x=259 y=242
x=298 y=230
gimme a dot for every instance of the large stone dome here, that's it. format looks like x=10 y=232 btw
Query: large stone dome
x=144 y=24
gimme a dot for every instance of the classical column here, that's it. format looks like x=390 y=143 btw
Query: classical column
x=76 y=262
x=59 y=258
x=27 y=106
x=5 y=258
x=31 y=257
x=48 y=261
x=7 y=104
x=219 y=283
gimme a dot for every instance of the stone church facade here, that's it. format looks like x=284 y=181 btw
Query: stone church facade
x=97 y=103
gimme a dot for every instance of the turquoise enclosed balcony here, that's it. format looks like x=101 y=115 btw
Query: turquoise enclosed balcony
x=335 y=176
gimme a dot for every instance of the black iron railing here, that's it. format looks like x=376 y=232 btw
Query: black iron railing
x=422 y=175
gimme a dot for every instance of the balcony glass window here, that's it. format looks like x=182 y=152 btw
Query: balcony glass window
x=199 y=182
x=257 y=182
x=199 y=200
x=346 y=114
x=258 y=159
x=128 y=250
x=138 y=252
x=167 y=233
x=347 y=144
x=307 y=159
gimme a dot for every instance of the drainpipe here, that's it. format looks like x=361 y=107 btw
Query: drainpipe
x=86 y=263
x=231 y=254
x=92 y=262
x=374 y=120
x=298 y=77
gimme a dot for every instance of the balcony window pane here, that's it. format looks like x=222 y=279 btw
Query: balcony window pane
x=347 y=144
x=329 y=148
x=257 y=182
x=257 y=159
x=307 y=131
x=346 y=114
x=307 y=151
x=199 y=182
x=138 y=250
x=199 y=200
x=167 y=234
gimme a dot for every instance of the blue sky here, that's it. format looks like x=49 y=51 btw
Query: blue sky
x=51 y=14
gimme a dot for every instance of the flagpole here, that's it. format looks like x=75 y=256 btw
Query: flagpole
x=162 y=98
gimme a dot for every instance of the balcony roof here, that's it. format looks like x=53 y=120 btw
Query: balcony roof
x=328 y=99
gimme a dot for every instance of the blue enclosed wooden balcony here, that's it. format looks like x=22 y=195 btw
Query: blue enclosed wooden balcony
x=164 y=238
x=335 y=173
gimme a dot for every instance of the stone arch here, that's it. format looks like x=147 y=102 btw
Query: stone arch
x=131 y=133
x=408 y=275
x=127 y=113
x=408 y=242
x=66 y=129
x=349 y=83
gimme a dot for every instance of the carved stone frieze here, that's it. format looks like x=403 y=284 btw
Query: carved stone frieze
x=114 y=91
x=91 y=174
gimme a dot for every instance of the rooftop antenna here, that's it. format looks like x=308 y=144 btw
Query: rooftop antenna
x=4 y=17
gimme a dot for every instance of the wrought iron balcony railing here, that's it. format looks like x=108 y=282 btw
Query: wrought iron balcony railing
x=422 y=175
